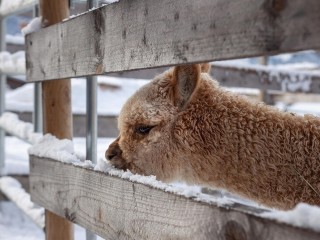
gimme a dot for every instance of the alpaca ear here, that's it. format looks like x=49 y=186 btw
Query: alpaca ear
x=185 y=83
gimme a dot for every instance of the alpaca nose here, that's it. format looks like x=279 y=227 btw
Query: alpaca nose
x=113 y=150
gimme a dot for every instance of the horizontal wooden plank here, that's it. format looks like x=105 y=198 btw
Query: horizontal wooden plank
x=249 y=76
x=22 y=6
x=135 y=34
x=115 y=208
x=266 y=78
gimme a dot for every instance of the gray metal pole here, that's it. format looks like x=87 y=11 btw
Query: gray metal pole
x=91 y=123
x=37 y=117
x=3 y=85
x=37 y=108
x=91 y=119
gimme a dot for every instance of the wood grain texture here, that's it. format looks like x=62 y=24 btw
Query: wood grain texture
x=57 y=115
x=115 y=208
x=135 y=34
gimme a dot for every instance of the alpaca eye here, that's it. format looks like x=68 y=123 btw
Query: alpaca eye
x=144 y=129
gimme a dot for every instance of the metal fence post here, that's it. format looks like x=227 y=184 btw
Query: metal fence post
x=37 y=108
x=91 y=119
x=3 y=85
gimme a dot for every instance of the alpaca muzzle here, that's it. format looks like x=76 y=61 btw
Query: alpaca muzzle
x=113 y=150
x=114 y=155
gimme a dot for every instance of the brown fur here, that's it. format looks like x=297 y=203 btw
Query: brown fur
x=203 y=134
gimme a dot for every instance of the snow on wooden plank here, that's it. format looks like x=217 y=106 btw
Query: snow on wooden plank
x=132 y=34
x=14 y=191
x=115 y=208
x=265 y=78
x=10 y=7
x=11 y=123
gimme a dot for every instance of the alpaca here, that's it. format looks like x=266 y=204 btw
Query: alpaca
x=183 y=127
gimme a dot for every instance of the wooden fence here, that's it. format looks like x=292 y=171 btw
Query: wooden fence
x=136 y=34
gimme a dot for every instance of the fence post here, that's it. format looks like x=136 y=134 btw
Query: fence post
x=264 y=94
x=3 y=85
x=57 y=114
x=37 y=108
x=91 y=119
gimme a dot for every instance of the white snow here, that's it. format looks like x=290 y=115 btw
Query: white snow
x=193 y=192
x=10 y=6
x=14 y=191
x=11 y=123
x=12 y=63
x=33 y=26
x=303 y=215
x=51 y=147
x=15 y=39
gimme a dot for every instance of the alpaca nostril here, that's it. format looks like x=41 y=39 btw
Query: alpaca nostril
x=113 y=151
x=110 y=156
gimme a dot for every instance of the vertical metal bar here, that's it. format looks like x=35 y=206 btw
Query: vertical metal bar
x=37 y=108
x=264 y=94
x=37 y=117
x=3 y=85
x=91 y=141
x=91 y=123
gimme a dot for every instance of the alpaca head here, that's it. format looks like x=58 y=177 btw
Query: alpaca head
x=147 y=143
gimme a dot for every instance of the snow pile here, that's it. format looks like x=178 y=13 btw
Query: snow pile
x=193 y=192
x=303 y=215
x=34 y=25
x=11 y=123
x=12 y=63
x=14 y=191
x=15 y=39
x=290 y=81
x=61 y=150
x=9 y=6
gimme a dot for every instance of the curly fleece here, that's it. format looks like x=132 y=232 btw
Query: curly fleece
x=216 y=138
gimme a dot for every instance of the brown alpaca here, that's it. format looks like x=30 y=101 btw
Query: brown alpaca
x=183 y=126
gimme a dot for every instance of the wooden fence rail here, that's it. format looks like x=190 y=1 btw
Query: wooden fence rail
x=129 y=35
x=118 y=209
x=266 y=78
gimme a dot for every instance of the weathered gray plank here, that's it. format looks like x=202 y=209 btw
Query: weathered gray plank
x=134 y=34
x=118 y=209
